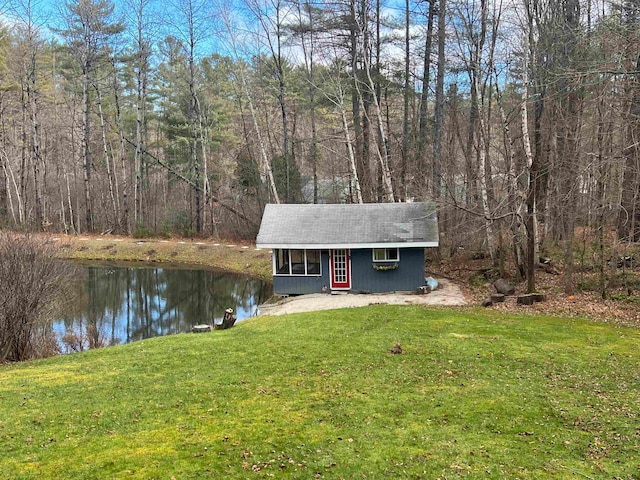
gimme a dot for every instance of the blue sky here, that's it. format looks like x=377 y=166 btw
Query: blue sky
x=164 y=14
x=49 y=14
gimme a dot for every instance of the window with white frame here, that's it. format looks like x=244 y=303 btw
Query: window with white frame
x=386 y=255
x=296 y=262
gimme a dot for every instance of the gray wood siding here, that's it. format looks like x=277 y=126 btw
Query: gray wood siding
x=407 y=277
x=299 y=285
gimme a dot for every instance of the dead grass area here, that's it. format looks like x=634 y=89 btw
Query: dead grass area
x=234 y=256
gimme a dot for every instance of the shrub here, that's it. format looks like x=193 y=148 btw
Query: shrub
x=86 y=338
x=32 y=282
x=178 y=222
x=143 y=231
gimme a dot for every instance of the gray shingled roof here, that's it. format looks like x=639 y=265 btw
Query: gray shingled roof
x=348 y=226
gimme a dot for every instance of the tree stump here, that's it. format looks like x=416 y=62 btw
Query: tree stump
x=201 y=328
x=228 y=320
x=497 y=297
x=527 y=299
x=487 y=302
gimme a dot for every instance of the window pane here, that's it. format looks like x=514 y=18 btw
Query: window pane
x=297 y=262
x=313 y=262
x=386 y=255
x=282 y=261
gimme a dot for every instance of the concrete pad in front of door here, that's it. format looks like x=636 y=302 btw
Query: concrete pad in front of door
x=447 y=294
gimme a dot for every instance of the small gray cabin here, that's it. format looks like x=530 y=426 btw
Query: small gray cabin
x=374 y=247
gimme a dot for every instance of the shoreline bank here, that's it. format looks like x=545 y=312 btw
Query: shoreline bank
x=236 y=257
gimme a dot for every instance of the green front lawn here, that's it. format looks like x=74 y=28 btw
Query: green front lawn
x=319 y=395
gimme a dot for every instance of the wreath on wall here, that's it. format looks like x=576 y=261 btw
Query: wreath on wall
x=385 y=268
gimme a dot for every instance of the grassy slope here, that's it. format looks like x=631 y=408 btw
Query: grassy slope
x=319 y=395
x=237 y=258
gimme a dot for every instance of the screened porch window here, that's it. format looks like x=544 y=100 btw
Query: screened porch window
x=296 y=262
x=386 y=255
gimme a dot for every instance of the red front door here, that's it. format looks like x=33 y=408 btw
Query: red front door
x=340 y=270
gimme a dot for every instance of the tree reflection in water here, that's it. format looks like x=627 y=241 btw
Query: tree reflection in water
x=121 y=304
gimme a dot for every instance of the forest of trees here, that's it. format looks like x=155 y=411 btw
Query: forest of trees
x=520 y=120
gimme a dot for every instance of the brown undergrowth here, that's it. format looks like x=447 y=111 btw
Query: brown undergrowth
x=475 y=275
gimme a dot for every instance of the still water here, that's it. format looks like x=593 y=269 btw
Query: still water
x=114 y=304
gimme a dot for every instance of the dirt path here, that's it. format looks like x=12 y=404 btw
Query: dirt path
x=447 y=294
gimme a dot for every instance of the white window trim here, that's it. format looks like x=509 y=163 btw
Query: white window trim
x=373 y=255
x=305 y=274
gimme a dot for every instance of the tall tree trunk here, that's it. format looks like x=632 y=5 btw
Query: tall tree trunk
x=204 y=142
x=484 y=197
x=69 y=199
x=86 y=159
x=534 y=160
x=383 y=149
x=604 y=167
x=193 y=117
x=313 y=151
x=352 y=159
x=438 y=132
x=24 y=158
x=6 y=205
x=484 y=174
x=516 y=200
x=263 y=151
x=569 y=105
x=308 y=52
x=277 y=57
x=8 y=174
x=142 y=65
x=424 y=96
x=123 y=221
x=107 y=158
x=628 y=224
x=266 y=165
x=405 y=106
x=35 y=131
x=360 y=119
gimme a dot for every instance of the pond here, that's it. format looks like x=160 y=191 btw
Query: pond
x=113 y=304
